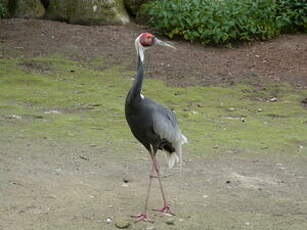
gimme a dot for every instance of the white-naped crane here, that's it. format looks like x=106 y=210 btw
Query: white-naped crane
x=154 y=125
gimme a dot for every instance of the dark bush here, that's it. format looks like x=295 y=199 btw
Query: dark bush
x=3 y=8
x=292 y=15
x=220 y=21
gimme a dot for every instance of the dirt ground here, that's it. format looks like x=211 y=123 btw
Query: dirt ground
x=56 y=186
x=52 y=185
x=281 y=59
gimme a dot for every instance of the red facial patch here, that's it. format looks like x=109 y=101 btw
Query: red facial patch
x=147 y=39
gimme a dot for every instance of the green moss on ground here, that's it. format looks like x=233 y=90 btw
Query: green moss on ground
x=59 y=99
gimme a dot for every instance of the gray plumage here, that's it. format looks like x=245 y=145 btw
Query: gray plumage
x=153 y=124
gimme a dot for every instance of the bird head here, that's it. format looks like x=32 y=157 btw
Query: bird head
x=146 y=40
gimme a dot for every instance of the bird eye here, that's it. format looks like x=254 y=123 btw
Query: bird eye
x=147 y=40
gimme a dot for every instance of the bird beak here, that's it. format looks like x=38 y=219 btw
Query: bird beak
x=162 y=43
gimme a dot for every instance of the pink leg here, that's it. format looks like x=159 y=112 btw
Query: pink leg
x=143 y=216
x=166 y=207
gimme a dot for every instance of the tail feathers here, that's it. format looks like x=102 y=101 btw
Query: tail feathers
x=176 y=157
x=172 y=159
x=184 y=139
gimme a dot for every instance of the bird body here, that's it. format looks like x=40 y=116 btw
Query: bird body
x=152 y=124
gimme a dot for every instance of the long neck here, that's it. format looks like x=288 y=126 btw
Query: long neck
x=135 y=91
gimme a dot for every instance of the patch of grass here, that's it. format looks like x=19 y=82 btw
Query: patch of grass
x=74 y=103
x=223 y=118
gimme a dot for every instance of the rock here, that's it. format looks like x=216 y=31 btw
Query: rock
x=170 y=221
x=52 y=112
x=122 y=223
x=94 y=12
x=28 y=9
x=273 y=99
x=127 y=179
x=150 y=228
x=84 y=158
x=109 y=220
x=13 y=116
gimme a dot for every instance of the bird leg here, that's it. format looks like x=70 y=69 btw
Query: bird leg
x=143 y=215
x=166 y=207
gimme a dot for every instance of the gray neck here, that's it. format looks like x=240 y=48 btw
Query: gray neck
x=135 y=91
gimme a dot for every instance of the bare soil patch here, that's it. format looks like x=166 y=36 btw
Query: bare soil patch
x=51 y=185
x=280 y=59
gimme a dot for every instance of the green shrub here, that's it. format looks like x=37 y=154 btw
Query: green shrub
x=223 y=21
x=292 y=15
x=2 y=8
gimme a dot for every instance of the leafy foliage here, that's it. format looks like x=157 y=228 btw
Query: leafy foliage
x=3 y=9
x=222 y=21
x=292 y=15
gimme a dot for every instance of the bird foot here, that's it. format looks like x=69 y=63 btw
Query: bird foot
x=166 y=209
x=152 y=176
x=142 y=217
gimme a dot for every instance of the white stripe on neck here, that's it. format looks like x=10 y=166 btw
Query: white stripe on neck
x=139 y=48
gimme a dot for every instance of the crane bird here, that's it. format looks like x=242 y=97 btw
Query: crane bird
x=154 y=125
